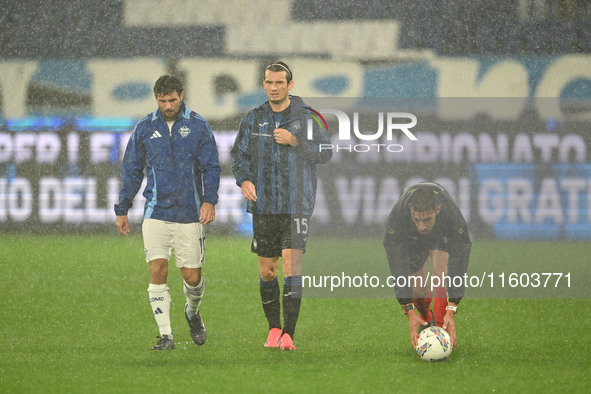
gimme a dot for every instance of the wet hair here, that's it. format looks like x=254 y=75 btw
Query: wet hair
x=423 y=199
x=280 y=66
x=167 y=84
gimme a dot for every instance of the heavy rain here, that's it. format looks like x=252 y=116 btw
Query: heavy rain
x=490 y=100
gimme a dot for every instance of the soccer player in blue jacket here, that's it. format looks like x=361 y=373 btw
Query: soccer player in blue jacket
x=176 y=149
x=274 y=163
x=424 y=224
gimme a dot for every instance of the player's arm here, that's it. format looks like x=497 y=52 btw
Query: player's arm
x=132 y=175
x=239 y=154
x=459 y=246
x=448 y=322
x=414 y=321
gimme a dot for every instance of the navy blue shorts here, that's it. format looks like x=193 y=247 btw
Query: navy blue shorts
x=274 y=233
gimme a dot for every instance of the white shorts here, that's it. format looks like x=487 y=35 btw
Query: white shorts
x=185 y=240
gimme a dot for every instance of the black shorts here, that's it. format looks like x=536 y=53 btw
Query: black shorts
x=419 y=252
x=274 y=233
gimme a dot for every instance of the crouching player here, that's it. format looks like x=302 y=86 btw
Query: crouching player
x=424 y=224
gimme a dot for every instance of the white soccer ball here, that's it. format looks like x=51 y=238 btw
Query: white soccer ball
x=434 y=344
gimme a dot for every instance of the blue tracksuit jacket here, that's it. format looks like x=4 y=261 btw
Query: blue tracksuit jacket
x=181 y=167
x=284 y=176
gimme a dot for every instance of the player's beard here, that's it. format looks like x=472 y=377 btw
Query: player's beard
x=172 y=115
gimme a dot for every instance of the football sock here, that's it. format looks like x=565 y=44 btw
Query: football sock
x=194 y=295
x=439 y=305
x=424 y=306
x=270 y=301
x=160 y=302
x=292 y=299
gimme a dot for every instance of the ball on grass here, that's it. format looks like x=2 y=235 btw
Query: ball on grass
x=434 y=344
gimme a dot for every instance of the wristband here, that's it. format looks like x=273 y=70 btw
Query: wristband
x=452 y=308
x=408 y=307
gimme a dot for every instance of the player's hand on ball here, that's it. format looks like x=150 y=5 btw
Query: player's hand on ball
x=450 y=327
x=414 y=321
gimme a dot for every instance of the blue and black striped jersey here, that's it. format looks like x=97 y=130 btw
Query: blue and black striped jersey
x=284 y=176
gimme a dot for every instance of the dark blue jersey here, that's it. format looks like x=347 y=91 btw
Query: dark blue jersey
x=284 y=176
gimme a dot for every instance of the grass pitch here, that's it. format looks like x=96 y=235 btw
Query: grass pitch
x=75 y=318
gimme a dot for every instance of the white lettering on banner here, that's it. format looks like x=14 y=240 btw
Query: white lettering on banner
x=491 y=201
x=368 y=200
x=231 y=207
x=6 y=147
x=573 y=188
x=516 y=200
x=224 y=141
x=100 y=147
x=50 y=196
x=74 y=200
x=24 y=144
x=45 y=148
x=484 y=148
x=321 y=210
x=22 y=147
x=123 y=140
x=519 y=195
x=365 y=200
x=48 y=148
x=73 y=147
x=549 y=206
x=356 y=197
x=16 y=199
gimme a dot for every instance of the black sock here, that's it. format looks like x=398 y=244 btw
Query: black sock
x=270 y=301
x=292 y=299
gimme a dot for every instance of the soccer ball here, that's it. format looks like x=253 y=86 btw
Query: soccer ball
x=434 y=344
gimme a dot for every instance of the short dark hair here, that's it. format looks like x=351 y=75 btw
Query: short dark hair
x=280 y=66
x=423 y=199
x=167 y=84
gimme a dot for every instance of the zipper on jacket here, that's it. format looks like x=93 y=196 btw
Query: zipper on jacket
x=176 y=195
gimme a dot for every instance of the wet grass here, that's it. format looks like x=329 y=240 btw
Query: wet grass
x=75 y=318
